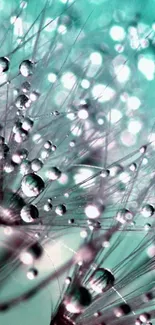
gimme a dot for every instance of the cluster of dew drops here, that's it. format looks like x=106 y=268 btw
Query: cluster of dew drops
x=57 y=174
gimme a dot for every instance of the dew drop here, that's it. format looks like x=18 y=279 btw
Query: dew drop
x=26 y=68
x=124 y=215
x=60 y=209
x=53 y=173
x=144 y=317
x=68 y=280
x=26 y=86
x=48 y=207
x=29 y=213
x=34 y=96
x=27 y=124
x=115 y=170
x=32 y=273
x=44 y=154
x=71 y=221
x=31 y=254
x=53 y=147
x=122 y=310
x=101 y=280
x=32 y=185
x=36 y=165
x=147 y=211
x=22 y=101
x=4 y=64
x=77 y=298
x=47 y=145
x=104 y=173
x=20 y=136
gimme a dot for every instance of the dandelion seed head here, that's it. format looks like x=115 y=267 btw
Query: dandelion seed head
x=77 y=161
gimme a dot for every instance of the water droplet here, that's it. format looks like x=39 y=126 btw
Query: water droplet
x=147 y=211
x=77 y=298
x=20 y=136
x=34 y=96
x=9 y=168
x=29 y=213
x=22 y=102
x=4 y=64
x=124 y=215
x=122 y=310
x=53 y=147
x=56 y=113
x=25 y=167
x=72 y=143
x=133 y=167
x=101 y=280
x=143 y=149
x=49 y=200
x=31 y=254
x=104 y=173
x=147 y=226
x=53 y=173
x=26 y=86
x=144 y=317
x=37 y=138
x=47 y=145
x=36 y=165
x=68 y=280
x=44 y=154
x=27 y=124
x=115 y=170
x=26 y=68
x=48 y=207
x=32 y=273
x=32 y=185
x=60 y=209
x=18 y=156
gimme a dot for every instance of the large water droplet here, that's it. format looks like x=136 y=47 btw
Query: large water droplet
x=32 y=185
x=29 y=213
x=101 y=280
x=77 y=298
